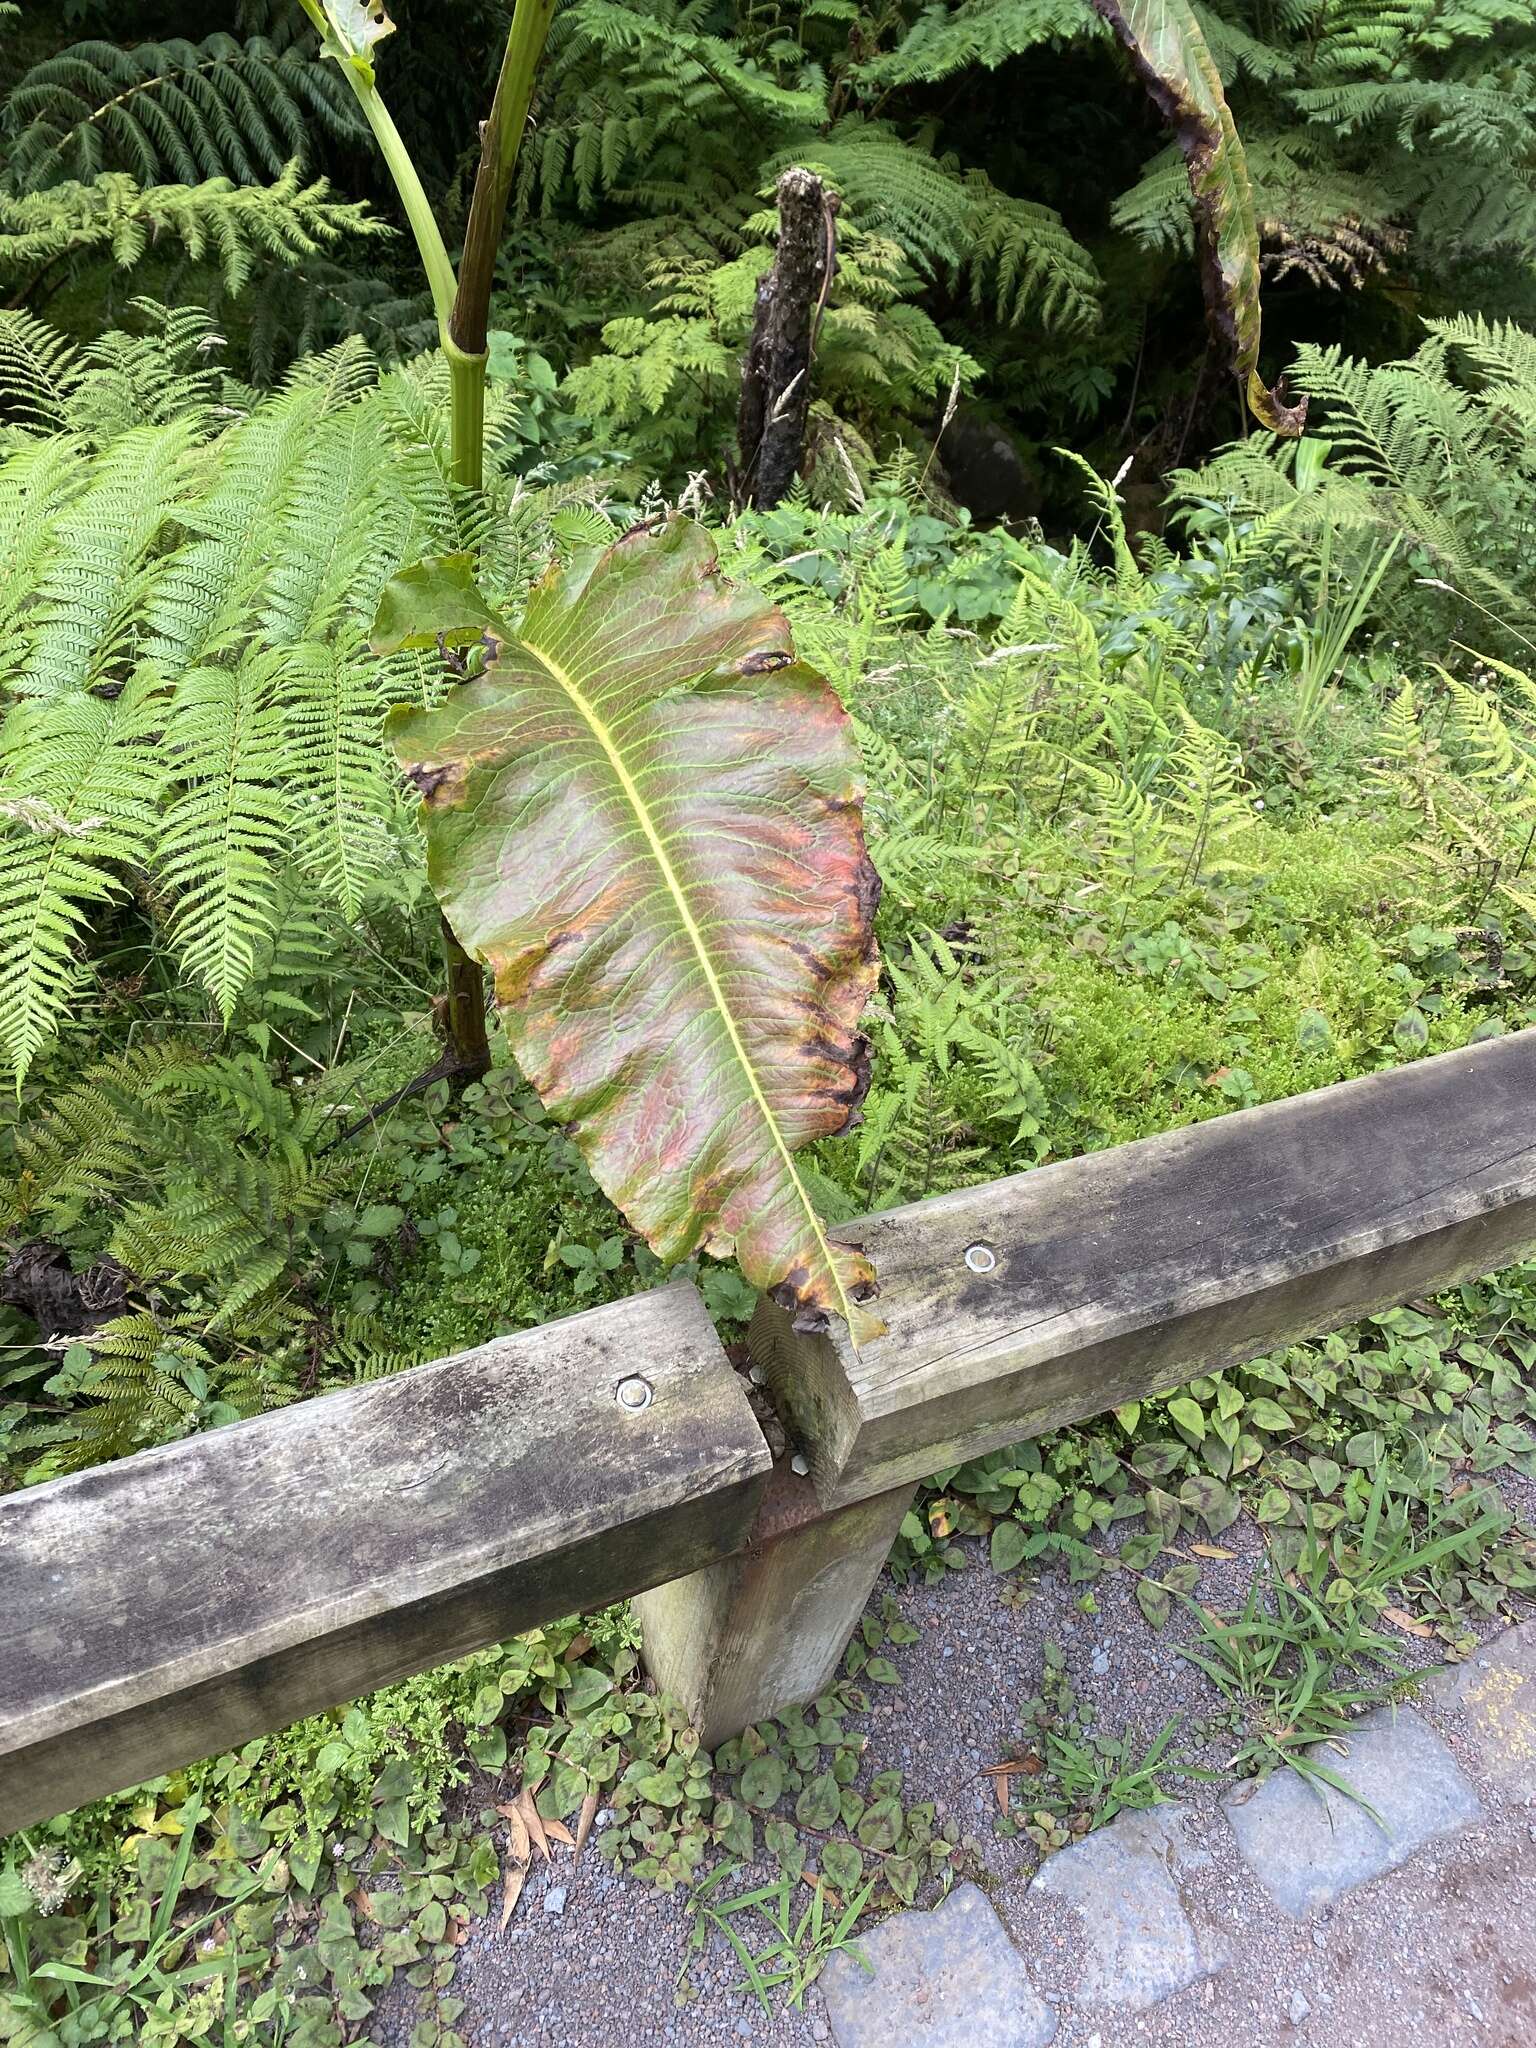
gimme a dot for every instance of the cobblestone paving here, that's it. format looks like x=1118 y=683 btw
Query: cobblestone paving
x=1163 y=1914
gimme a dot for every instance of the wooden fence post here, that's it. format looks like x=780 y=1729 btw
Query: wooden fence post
x=741 y=1640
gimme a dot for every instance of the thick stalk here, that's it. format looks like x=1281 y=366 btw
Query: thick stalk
x=466 y=415
x=435 y=260
x=469 y=1045
x=464 y=347
x=464 y=339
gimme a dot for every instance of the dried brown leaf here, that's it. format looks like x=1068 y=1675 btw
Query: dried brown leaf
x=585 y=1819
x=533 y=1820
x=517 y=1833
x=1408 y=1623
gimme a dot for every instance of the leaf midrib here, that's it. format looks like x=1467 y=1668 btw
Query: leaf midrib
x=562 y=676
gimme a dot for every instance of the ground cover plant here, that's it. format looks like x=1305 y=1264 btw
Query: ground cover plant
x=1165 y=827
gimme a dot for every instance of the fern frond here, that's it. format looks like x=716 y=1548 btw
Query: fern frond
x=87 y=1143
x=226 y=835
x=340 y=784
x=944 y=42
x=80 y=783
x=39 y=368
x=1206 y=812
x=231 y=227
x=1020 y=259
x=173 y=111
x=94 y=579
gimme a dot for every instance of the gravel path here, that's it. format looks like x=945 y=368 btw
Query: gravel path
x=1444 y=1949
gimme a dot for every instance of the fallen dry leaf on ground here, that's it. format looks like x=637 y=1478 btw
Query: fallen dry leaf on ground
x=534 y=1822
x=511 y=1887
x=1409 y=1625
x=517 y=1832
x=584 y=1821
x=1014 y=1767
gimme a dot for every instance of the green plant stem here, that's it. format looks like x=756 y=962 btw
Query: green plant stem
x=462 y=304
x=430 y=246
x=463 y=337
x=466 y=415
x=435 y=260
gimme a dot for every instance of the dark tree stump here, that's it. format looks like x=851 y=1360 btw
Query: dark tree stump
x=776 y=371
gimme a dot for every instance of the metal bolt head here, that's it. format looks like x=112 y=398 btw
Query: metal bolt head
x=980 y=1258
x=634 y=1393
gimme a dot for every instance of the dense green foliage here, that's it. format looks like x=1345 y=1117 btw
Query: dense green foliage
x=1044 y=265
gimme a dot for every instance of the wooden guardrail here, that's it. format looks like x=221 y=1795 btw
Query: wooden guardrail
x=185 y=1599
x=190 y=1597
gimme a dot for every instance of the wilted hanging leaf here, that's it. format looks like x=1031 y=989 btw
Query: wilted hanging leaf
x=1169 y=54
x=645 y=817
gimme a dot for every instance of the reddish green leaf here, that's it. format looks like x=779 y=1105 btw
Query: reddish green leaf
x=1169 y=54
x=644 y=816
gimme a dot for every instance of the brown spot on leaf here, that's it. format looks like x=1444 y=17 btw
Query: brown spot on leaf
x=867 y=889
x=859 y=1067
x=430 y=779
x=765 y=662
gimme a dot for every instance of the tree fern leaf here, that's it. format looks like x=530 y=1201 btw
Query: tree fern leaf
x=226 y=834
x=96 y=570
x=80 y=781
x=178 y=109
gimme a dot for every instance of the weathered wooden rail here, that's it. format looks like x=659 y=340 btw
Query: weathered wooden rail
x=191 y=1597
